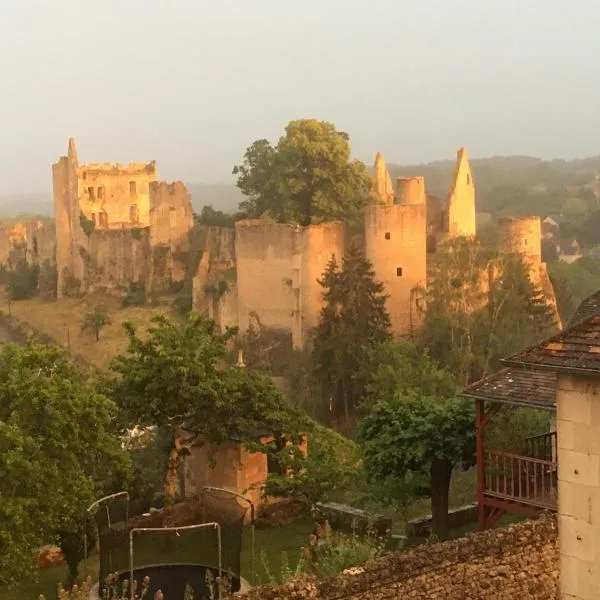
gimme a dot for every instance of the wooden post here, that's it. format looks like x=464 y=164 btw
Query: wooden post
x=479 y=416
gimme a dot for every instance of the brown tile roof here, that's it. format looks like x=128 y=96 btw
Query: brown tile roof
x=517 y=386
x=589 y=307
x=574 y=350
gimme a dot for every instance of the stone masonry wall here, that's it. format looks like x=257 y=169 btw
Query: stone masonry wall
x=518 y=562
x=578 y=423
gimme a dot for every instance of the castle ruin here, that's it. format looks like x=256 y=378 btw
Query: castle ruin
x=118 y=226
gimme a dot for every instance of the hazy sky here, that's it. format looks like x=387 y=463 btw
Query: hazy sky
x=191 y=83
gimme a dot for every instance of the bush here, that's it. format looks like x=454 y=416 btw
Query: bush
x=48 y=281
x=23 y=281
x=95 y=321
x=136 y=296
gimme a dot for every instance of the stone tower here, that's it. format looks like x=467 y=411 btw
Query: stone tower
x=461 y=199
x=524 y=237
x=395 y=243
x=382 y=182
x=71 y=241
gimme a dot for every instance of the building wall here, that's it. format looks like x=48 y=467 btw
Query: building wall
x=461 y=199
x=116 y=196
x=171 y=220
x=524 y=236
x=117 y=258
x=516 y=562
x=70 y=238
x=278 y=266
x=410 y=190
x=395 y=242
x=578 y=424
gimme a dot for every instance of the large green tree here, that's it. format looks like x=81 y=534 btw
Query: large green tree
x=59 y=449
x=176 y=377
x=415 y=428
x=480 y=307
x=353 y=319
x=307 y=177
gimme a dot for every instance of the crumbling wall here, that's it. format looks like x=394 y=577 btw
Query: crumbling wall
x=410 y=190
x=461 y=199
x=70 y=237
x=117 y=258
x=171 y=219
x=41 y=242
x=278 y=267
x=5 y=246
x=519 y=561
x=115 y=196
x=395 y=242
x=523 y=236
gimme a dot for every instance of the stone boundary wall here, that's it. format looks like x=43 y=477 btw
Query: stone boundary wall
x=519 y=561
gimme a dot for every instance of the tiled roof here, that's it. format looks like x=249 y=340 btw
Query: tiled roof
x=514 y=385
x=589 y=307
x=574 y=350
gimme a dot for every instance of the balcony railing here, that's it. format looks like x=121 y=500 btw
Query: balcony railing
x=523 y=479
x=542 y=446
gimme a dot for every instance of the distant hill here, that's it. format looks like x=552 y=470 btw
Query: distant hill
x=14 y=205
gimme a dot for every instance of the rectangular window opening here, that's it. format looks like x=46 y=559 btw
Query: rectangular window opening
x=133 y=214
x=101 y=192
x=388 y=235
x=398 y=271
x=92 y=193
x=132 y=189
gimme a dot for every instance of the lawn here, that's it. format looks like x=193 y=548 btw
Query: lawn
x=61 y=321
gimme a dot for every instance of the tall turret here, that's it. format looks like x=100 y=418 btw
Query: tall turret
x=382 y=182
x=461 y=199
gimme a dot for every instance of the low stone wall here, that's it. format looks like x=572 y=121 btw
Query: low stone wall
x=457 y=517
x=354 y=520
x=519 y=561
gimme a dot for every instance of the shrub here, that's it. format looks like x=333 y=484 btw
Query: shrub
x=136 y=295
x=95 y=321
x=23 y=281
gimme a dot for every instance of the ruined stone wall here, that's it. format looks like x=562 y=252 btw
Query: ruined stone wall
x=41 y=242
x=70 y=237
x=5 y=246
x=117 y=258
x=461 y=199
x=278 y=266
x=410 y=190
x=115 y=196
x=395 y=242
x=171 y=220
x=517 y=562
x=523 y=236
x=578 y=422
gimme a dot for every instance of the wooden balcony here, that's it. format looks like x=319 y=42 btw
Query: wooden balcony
x=522 y=480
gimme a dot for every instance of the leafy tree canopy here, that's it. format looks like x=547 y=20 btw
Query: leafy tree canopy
x=308 y=177
x=353 y=319
x=59 y=450
x=177 y=377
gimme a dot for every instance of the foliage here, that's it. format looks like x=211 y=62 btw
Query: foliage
x=58 y=450
x=48 y=280
x=508 y=430
x=330 y=464
x=22 y=280
x=215 y=218
x=573 y=283
x=480 y=307
x=71 y=285
x=308 y=177
x=136 y=295
x=419 y=435
x=94 y=321
x=87 y=225
x=196 y=397
x=353 y=319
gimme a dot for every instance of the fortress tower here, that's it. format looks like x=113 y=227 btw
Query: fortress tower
x=461 y=199
x=395 y=243
x=524 y=237
x=70 y=237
